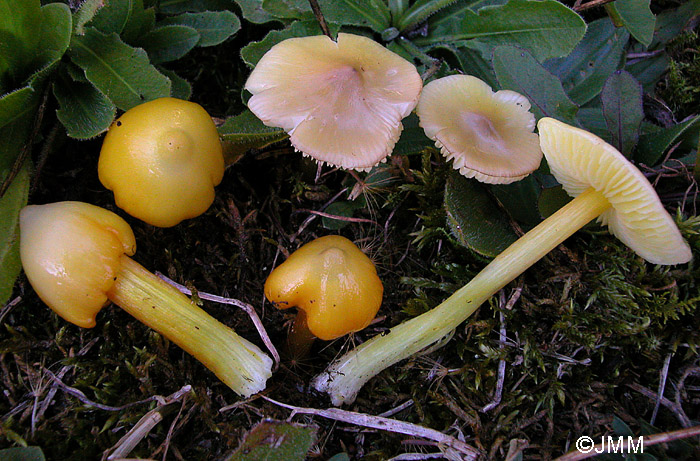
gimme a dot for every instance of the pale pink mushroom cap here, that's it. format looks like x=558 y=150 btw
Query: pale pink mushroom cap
x=341 y=101
x=581 y=160
x=488 y=136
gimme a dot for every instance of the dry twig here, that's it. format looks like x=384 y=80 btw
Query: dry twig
x=452 y=447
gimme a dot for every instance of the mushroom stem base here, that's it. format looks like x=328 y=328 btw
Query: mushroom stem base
x=345 y=376
x=241 y=365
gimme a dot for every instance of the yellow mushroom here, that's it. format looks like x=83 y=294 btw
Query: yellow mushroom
x=76 y=256
x=488 y=136
x=334 y=285
x=605 y=185
x=162 y=160
x=341 y=101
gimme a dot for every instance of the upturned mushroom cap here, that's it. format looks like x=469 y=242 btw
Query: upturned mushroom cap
x=341 y=102
x=489 y=136
x=333 y=281
x=162 y=159
x=70 y=252
x=581 y=160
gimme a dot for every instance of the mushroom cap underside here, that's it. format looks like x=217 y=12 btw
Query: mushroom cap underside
x=581 y=160
x=488 y=135
x=341 y=101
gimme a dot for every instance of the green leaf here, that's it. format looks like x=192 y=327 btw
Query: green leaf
x=253 y=11
x=17 y=112
x=55 y=33
x=288 y=9
x=551 y=200
x=670 y=23
x=475 y=59
x=517 y=70
x=371 y=13
x=22 y=454
x=169 y=43
x=114 y=15
x=592 y=119
x=252 y=52
x=141 y=21
x=84 y=111
x=193 y=6
x=364 y=13
x=419 y=12
x=636 y=16
x=14 y=107
x=474 y=218
x=213 y=26
x=11 y=203
x=87 y=11
x=121 y=72
x=584 y=71
x=245 y=131
x=181 y=88
x=19 y=40
x=620 y=427
x=652 y=146
x=520 y=199
x=270 y=440
x=649 y=70
x=413 y=139
x=546 y=28
x=622 y=108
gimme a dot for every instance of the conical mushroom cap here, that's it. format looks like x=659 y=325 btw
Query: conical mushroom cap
x=580 y=160
x=341 y=102
x=489 y=136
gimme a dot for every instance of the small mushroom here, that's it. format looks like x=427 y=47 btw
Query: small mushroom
x=76 y=256
x=341 y=101
x=162 y=160
x=333 y=284
x=488 y=136
x=605 y=186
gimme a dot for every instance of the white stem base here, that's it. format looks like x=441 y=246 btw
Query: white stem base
x=345 y=376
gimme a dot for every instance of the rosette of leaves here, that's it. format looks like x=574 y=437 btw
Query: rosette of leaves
x=98 y=58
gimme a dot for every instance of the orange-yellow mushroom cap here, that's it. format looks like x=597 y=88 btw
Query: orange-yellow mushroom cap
x=162 y=160
x=581 y=160
x=341 y=101
x=488 y=136
x=333 y=281
x=71 y=252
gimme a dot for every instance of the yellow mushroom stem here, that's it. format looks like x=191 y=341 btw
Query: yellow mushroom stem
x=345 y=376
x=238 y=363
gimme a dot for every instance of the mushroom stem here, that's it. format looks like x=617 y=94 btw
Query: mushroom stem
x=345 y=376
x=300 y=338
x=238 y=363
